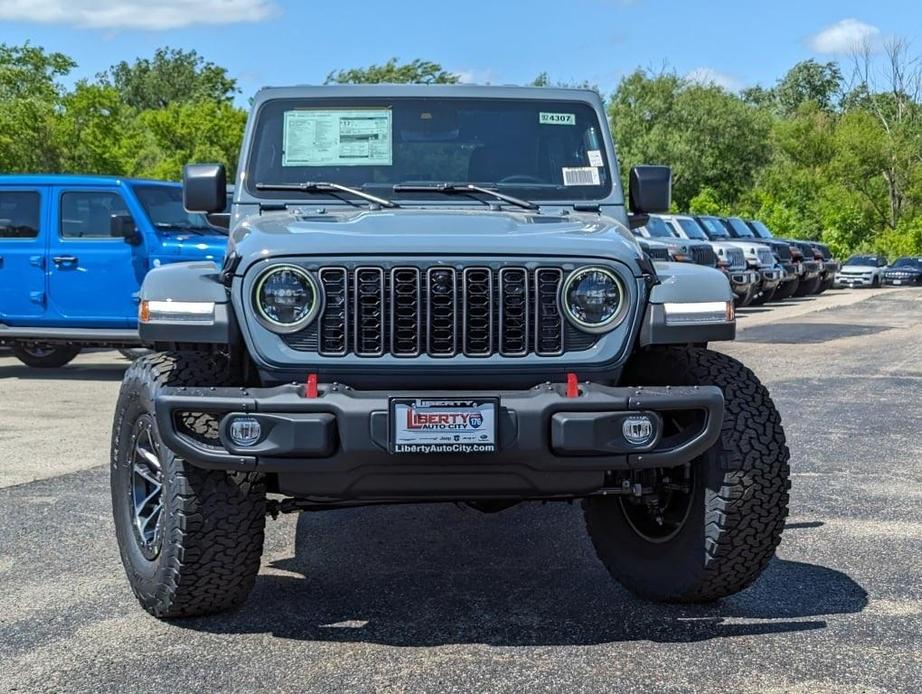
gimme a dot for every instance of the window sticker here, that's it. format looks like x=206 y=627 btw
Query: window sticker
x=595 y=157
x=580 y=176
x=337 y=137
x=556 y=118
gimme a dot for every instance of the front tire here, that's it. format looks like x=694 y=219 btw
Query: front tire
x=44 y=356
x=719 y=537
x=190 y=539
x=809 y=287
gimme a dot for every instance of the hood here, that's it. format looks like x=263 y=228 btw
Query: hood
x=860 y=268
x=435 y=232
x=750 y=247
x=191 y=246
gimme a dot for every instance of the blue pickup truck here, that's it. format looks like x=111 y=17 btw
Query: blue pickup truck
x=74 y=251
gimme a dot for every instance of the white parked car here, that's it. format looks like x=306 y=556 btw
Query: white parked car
x=862 y=271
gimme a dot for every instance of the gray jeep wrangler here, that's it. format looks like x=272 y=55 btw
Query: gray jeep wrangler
x=431 y=294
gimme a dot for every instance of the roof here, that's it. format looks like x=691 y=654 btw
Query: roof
x=428 y=90
x=72 y=180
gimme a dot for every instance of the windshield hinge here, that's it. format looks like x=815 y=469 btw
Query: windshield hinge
x=273 y=206
x=587 y=207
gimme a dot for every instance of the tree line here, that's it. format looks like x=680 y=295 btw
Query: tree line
x=830 y=151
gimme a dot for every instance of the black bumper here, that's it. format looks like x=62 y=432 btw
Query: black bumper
x=336 y=445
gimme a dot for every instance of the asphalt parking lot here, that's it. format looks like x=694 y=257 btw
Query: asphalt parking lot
x=439 y=598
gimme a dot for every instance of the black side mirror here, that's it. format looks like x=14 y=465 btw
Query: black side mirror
x=650 y=189
x=204 y=187
x=122 y=226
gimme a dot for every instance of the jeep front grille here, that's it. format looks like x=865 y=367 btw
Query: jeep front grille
x=703 y=254
x=765 y=256
x=736 y=259
x=441 y=311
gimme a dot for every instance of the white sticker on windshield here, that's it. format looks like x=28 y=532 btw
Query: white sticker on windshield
x=556 y=118
x=580 y=176
x=337 y=137
x=595 y=157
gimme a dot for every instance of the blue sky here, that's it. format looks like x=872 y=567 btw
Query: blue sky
x=276 y=42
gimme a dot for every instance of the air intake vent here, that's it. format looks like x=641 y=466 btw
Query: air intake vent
x=478 y=311
x=369 y=311
x=443 y=311
x=513 y=307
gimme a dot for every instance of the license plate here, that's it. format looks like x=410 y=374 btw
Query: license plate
x=897 y=281
x=443 y=425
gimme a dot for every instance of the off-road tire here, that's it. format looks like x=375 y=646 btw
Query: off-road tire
x=739 y=494
x=212 y=521
x=745 y=299
x=786 y=290
x=134 y=353
x=809 y=287
x=825 y=284
x=60 y=355
x=763 y=297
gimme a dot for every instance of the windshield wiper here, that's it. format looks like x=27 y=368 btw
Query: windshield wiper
x=461 y=188
x=326 y=187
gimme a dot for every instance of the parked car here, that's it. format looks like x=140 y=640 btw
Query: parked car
x=904 y=271
x=812 y=260
x=730 y=258
x=73 y=253
x=373 y=338
x=773 y=276
x=680 y=250
x=759 y=256
x=862 y=271
x=656 y=251
x=790 y=257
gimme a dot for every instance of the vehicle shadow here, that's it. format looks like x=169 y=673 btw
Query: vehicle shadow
x=436 y=574
x=75 y=371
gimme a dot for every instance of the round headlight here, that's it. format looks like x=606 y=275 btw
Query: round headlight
x=593 y=299
x=286 y=298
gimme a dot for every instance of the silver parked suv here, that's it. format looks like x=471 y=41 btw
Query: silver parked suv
x=432 y=294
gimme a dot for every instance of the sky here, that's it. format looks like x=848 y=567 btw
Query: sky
x=279 y=42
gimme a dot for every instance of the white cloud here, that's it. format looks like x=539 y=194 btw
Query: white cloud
x=843 y=36
x=150 y=15
x=476 y=76
x=707 y=75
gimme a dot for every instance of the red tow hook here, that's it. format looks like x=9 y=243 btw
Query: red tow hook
x=572 y=386
x=310 y=388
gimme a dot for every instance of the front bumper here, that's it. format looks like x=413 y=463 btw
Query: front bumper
x=830 y=268
x=742 y=280
x=771 y=278
x=336 y=445
x=811 y=269
x=855 y=280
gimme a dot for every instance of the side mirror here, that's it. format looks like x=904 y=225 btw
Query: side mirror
x=204 y=187
x=650 y=189
x=122 y=226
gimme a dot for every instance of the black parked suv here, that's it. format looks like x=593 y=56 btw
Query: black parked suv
x=431 y=294
x=813 y=268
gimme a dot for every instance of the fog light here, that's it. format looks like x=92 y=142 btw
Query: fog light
x=244 y=431
x=638 y=429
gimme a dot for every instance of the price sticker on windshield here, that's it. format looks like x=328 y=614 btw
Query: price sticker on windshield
x=556 y=118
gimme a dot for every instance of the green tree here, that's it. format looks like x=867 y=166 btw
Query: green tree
x=95 y=131
x=711 y=138
x=171 y=76
x=415 y=72
x=30 y=100
x=809 y=81
x=181 y=133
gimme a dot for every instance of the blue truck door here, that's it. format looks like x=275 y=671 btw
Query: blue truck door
x=93 y=278
x=23 y=212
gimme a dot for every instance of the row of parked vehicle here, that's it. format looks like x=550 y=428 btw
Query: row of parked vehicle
x=875 y=271
x=760 y=266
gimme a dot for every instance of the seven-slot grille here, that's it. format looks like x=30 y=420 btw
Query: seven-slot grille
x=441 y=311
x=765 y=256
x=703 y=254
x=735 y=257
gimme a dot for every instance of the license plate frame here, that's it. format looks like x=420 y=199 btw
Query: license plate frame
x=425 y=425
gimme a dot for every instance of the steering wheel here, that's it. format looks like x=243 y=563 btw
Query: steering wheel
x=520 y=178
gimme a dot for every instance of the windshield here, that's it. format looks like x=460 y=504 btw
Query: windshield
x=658 y=228
x=691 y=228
x=714 y=227
x=536 y=150
x=163 y=206
x=762 y=231
x=740 y=230
x=862 y=260
x=908 y=262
